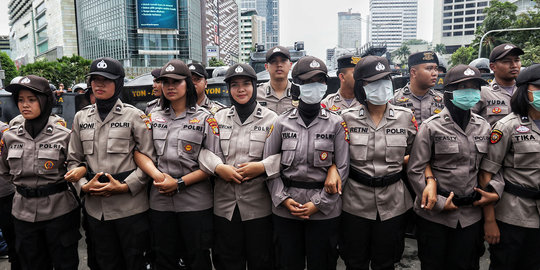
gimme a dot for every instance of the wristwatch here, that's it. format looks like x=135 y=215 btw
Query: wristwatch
x=181 y=184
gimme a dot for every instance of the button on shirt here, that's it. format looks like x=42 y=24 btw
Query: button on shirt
x=267 y=97
x=242 y=143
x=378 y=151
x=494 y=103
x=178 y=140
x=6 y=187
x=34 y=162
x=424 y=107
x=454 y=156
x=306 y=155
x=107 y=146
x=515 y=149
x=336 y=103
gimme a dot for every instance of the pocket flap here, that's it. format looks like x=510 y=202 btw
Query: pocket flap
x=87 y=135
x=160 y=134
x=359 y=139
x=49 y=154
x=257 y=136
x=396 y=140
x=15 y=153
x=192 y=137
x=225 y=134
x=527 y=147
x=324 y=145
x=289 y=144
x=482 y=146
x=446 y=148
x=119 y=133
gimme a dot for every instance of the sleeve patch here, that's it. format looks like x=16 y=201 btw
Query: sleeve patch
x=413 y=120
x=61 y=123
x=496 y=136
x=1 y=145
x=213 y=125
x=270 y=132
x=344 y=125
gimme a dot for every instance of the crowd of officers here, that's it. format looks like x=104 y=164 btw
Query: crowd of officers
x=282 y=177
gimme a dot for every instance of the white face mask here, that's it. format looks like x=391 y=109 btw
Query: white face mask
x=379 y=92
x=312 y=93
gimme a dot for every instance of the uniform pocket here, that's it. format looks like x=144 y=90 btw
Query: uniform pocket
x=160 y=139
x=14 y=159
x=225 y=141
x=189 y=144
x=324 y=153
x=482 y=150
x=526 y=155
x=395 y=148
x=446 y=155
x=497 y=110
x=87 y=140
x=118 y=141
x=288 y=149
x=48 y=161
x=358 y=146
x=256 y=143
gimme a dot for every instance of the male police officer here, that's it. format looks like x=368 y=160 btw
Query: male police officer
x=344 y=97
x=495 y=99
x=199 y=77
x=276 y=93
x=156 y=91
x=418 y=95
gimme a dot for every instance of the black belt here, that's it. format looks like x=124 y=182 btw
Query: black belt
x=104 y=179
x=298 y=184
x=42 y=191
x=521 y=191
x=460 y=200
x=369 y=181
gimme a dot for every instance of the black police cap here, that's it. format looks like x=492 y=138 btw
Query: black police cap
x=32 y=82
x=348 y=61
x=308 y=67
x=503 y=50
x=175 y=69
x=461 y=73
x=155 y=73
x=240 y=70
x=530 y=75
x=107 y=67
x=422 y=58
x=198 y=69
x=371 y=68
x=277 y=50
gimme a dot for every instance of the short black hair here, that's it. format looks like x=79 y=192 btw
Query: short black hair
x=520 y=101
x=191 y=96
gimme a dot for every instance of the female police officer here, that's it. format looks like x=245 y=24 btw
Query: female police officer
x=242 y=205
x=514 y=152
x=33 y=153
x=103 y=138
x=309 y=140
x=453 y=142
x=181 y=202
x=375 y=201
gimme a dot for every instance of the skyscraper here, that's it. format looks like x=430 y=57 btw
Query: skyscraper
x=270 y=10
x=349 y=30
x=221 y=29
x=393 y=21
x=252 y=29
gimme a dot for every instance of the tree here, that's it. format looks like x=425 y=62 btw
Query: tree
x=214 y=62
x=66 y=70
x=415 y=42
x=402 y=53
x=9 y=67
x=463 y=55
x=532 y=54
x=440 y=48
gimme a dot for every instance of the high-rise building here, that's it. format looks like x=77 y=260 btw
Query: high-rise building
x=221 y=30
x=41 y=30
x=142 y=34
x=455 y=21
x=393 y=21
x=252 y=29
x=349 y=30
x=270 y=10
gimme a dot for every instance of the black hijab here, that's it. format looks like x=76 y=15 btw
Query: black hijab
x=36 y=125
x=245 y=110
x=460 y=116
x=104 y=106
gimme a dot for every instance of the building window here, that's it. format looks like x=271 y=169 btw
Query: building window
x=447 y=34
x=447 y=27
x=480 y=18
x=469 y=25
x=41 y=21
x=447 y=7
x=470 y=19
x=459 y=1
x=469 y=12
x=458 y=6
x=43 y=47
x=458 y=13
x=467 y=33
x=26 y=24
x=42 y=34
x=448 y=20
x=482 y=4
x=447 y=14
x=23 y=38
x=458 y=20
x=448 y=1
x=470 y=5
x=40 y=7
x=458 y=33
x=459 y=26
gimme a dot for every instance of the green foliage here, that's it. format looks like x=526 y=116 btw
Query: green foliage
x=214 y=62
x=414 y=42
x=532 y=54
x=66 y=70
x=402 y=53
x=440 y=48
x=9 y=67
x=463 y=55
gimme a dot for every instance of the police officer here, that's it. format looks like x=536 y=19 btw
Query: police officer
x=513 y=154
x=344 y=97
x=156 y=91
x=242 y=204
x=103 y=138
x=375 y=198
x=276 y=93
x=7 y=190
x=309 y=139
x=418 y=95
x=19 y=119
x=199 y=77
x=481 y=64
x=454 y=143
x=505 y=62
x=45 y=211
x=181 y=195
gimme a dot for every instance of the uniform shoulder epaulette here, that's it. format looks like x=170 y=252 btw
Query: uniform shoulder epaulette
x=478 y=116
x=402 y=109
x=221 y=105
x=222 y=108
x=127 y=105
x=87 y=107
x=432 y=118
x=349 y=110
x=203 y=109
x=508 y=118
x=152 y=102
x=62 y=128
x=289 y=110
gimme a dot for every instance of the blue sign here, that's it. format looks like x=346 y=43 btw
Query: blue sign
x=157 y=14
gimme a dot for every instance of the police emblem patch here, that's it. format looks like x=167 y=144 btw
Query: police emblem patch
x=239 y=69
x=496 y=110
x=437 y=98
x=428 y=56
x=496 y=136
x=344 y=125
x=403 y=99
x=188 y=147
x=48 y=165
x=194 y=121
x=334 y=108
x=277 y=50
x=354 y=60
x=437 y=110
x=522 y=129
x=148 y=124
x=25 y=80
x=314 y=64
x=379 y=67
x=192 y=68
x=468 y=72
x=101 y=64
x=169 y=68
x=61 y=123
x=508 y=47
x=270 y=132
x=323 y=155
x=413 y=120
x=213 y=125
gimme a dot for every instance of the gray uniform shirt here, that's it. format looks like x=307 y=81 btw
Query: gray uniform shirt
x=107 y=146
x=336 y=103
x=306 y=155
x=494 y=103
x=378 y=151
x=151 y=105
x=178 y=141
x=430 y=104
x=515 y=149
x=455 y=158
x=6 y=187
x=266 y=96
x=211 y=105
x=242 y=143
x=34 y=162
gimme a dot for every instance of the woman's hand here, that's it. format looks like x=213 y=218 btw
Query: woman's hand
x=168 y=186
x=487 y=197
x=250 y=170
x=429 y=195
x=228 y=173
x=332 y=184
x=113 y=187
x=310 y=210
x=93 y=184
x=449 y=205
x=491 y=232
x=75 y=174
